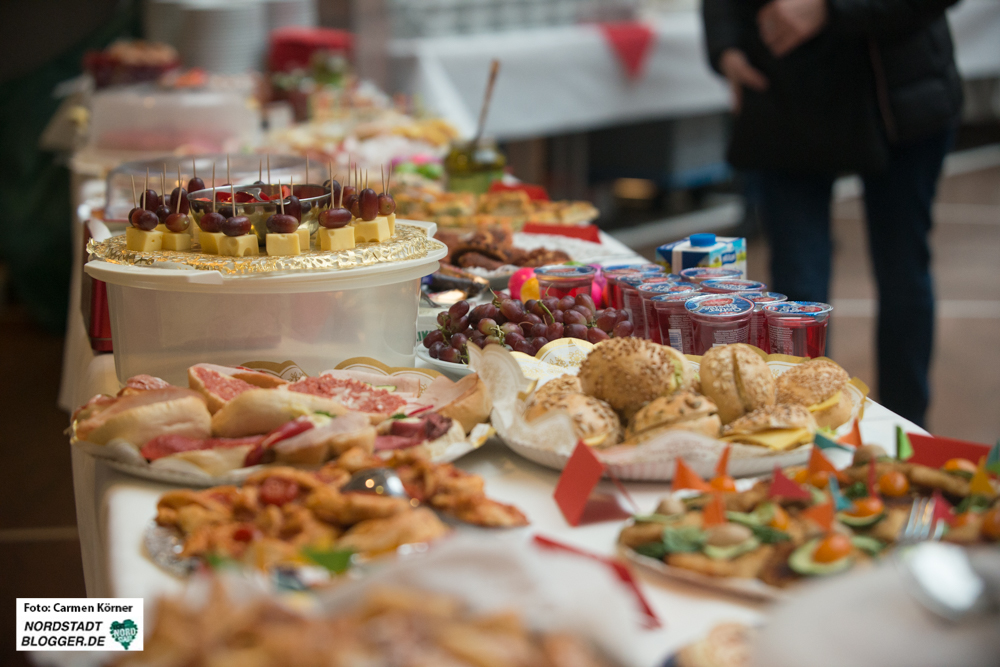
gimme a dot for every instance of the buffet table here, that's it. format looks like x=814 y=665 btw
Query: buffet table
x=567 y=79
x=113 y=510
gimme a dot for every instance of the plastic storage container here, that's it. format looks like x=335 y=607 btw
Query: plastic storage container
x=164 y=320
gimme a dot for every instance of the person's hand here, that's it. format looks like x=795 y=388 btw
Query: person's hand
x=786 y=24
x=739 y=72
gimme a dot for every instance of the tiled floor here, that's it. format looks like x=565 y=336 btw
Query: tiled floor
x=35 y=478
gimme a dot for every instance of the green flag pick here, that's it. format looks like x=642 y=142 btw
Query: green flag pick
x=904 y=450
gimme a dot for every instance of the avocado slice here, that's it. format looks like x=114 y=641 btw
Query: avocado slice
x=869 y=545
x=749 y=520
x=801 y=561
x=731 y=552
x=859 y=521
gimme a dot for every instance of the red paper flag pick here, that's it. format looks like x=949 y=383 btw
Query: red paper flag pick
x=872 y=479
x=582 y=473
x=783 y=487
x=821 y=514
x=686 y=478
x=852 y=438
x=722 y=467
x=819 y=463
x=942 y=509
x=714 y=513
x=933 y=452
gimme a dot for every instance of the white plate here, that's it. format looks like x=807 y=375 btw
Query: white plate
x=454 y=371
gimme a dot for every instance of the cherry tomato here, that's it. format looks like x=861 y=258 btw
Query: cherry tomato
x=833 y=547
x=959 y=465
x=820 y=479
x=243 y=533
x=277 y=491
x=964 y=519
x=870 y=506
x=801 y=476
x=893 y=484
x=780 y=518
x=990 y=529
x=723 y=483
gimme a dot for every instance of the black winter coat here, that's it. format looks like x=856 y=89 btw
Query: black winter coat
x=880 y=71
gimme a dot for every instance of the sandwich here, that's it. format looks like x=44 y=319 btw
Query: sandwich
x=594 y=422
x=627 y=373
x=736 y=378
x=778 y=427
x=683 y=411
x=220 y=384
x=137 y=415
x=819 y=385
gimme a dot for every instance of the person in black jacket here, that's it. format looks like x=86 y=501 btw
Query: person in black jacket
x=825 y=87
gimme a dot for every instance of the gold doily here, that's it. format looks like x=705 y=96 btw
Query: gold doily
x=409 y=242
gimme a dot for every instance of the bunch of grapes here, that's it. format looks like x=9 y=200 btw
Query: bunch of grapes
x=523 y=327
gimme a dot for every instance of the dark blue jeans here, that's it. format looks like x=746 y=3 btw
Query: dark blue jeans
x=795 y=211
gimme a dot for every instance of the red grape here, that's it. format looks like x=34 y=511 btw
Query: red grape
x=238 y=225
x=226 y=211
x=558 y=316
x=459 y=340
x=282 y=224
x=566 y=303
x=554 y=331
x=493 y=340
x=458 y=325
x=350 y=202
x=195 y=184
x=150 y=200
x=606 y=322
x=443 y=319
x=550 y=302
x=530 y=305
x=293 y=207
x=514 y=338
x=510 y=328
x=437 y=348
x=368 y=204
x=435 y=336
x=539 y=329
x=538 y=343
x=512 y=309
x=334 y=218
x=525 y=346
x=595 y=335
x=486 y=326
x=576 y=331
x=531 y=318
x=131 y=213
x=459 y=309
x=621 y=316
x=349 y=191
x=587 y=301
x=622 y=329
x=211 y=222
x=162 y=212
x=386 y=204
x=571 y=317
x=182 y=194
x=335 y=191
x=145 y=220
x=177 y=222
x=450 y=355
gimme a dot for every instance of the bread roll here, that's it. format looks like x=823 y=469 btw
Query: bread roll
x=814 y=382
x=684 y=410
x=737 y=379
x=258 y=411
x=140 y=417
x=593 y=420
x=778 y=416
x=629 y=372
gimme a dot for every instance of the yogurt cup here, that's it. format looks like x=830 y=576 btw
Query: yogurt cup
x=632 y=302
x=559 y=280
x=613 y=291
x=673 y=321
x=698 y=274
x=758 y=325
x=646 y=293
x=797 y=328
x=718 y=319
x=731 y=286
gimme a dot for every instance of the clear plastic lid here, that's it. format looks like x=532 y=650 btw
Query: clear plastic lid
x=722 y=306
x=798 y=310
x=731 y=286
x=697 y=274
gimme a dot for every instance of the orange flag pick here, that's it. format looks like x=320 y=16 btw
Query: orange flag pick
x=819 y=463
x=722 y=467
x=980 y=485
x=821 y=514
x=686 y=478
x=852 y=438
x=714 y=513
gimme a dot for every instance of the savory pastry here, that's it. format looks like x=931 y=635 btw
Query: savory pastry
x=629 y=372
x=778 y=427
x=138 y=415
x=737 y=379
x=683 y=411
x=818 y=384
x=594 y=422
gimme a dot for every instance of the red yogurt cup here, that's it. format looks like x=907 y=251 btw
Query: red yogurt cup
x=718 y=319
x=758 y=325
x=672 y=320
x=797 y=328
x=647 y=291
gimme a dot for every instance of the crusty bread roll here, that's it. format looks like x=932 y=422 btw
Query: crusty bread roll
x=564 y=384
x=594 y=421
x=737 y=379
x=139 y=417
x=770 y=417
x=260 y=411
x=629 y=372
x=813 y=382
x=684 y=410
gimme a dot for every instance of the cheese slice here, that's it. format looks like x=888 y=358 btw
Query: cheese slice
x=371 y=231
x=778 y=439
x=210 y=242
x=143 y=241
x=283 y=244
x=391 y=219
x=303 y=233
x=239 y=246
x=176 y=241
x=335 y=239
x=828 y=403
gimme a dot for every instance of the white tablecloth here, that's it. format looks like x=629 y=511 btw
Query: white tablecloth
x=567 y=79
x=114 y=509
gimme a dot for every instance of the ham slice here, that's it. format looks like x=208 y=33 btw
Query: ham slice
x=353 y=394
x=221 y=384
x=139 y=383
x=404 y=384
x=166 y=445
